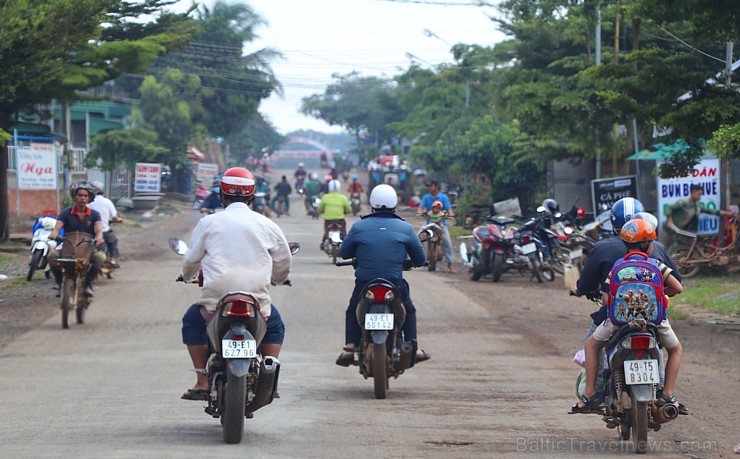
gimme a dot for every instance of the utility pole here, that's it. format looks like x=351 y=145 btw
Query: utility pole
x=597 y=62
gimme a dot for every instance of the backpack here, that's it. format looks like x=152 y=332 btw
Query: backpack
x=636 y=290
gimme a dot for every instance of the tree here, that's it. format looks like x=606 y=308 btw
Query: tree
x=113 y=148
x=234 y=84
x=51 y=50
x=365 y=106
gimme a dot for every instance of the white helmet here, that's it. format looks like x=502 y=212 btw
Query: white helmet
x=300 y=164
x=334 y=185
x=648 y=217
x=383 y=197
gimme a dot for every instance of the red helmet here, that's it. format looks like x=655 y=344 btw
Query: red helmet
x=237 y=181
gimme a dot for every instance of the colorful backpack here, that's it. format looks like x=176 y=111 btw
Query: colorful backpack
x=636 y=290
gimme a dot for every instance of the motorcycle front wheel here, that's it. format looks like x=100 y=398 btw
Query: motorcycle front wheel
x=498 y=266
x=235 y=401
x=380 y=371
x=35 y=263
x=68 y=295
x=534 y=261
x=432 y=256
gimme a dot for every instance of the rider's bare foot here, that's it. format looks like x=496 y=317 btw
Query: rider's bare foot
x=452 y=268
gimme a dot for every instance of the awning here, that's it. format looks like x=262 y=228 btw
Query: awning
x=660 y=151
x=195 y=155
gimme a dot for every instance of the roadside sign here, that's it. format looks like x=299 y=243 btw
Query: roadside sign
x=605 y=192
x=148 y=177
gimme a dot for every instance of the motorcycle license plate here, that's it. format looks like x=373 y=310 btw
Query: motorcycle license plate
x=641 y=372
x=378 y=321
x=529 y=248
x=238 y=349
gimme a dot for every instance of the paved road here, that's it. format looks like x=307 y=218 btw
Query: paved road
x=110 y=388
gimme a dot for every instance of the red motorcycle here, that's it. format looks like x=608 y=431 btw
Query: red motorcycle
x=492 y=244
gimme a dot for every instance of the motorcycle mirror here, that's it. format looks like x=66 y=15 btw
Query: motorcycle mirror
x=178 y=246
x=558 y=215
x=541 y=209
x=568 y=230
x=295 y=247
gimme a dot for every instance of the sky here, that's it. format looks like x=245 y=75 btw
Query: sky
x=373 y=37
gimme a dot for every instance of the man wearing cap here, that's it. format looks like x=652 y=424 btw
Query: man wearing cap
x=426 y=205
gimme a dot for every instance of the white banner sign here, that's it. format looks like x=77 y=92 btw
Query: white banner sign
x=37 y=167
x=148 y=177
x=706 y=174
x=206 y=173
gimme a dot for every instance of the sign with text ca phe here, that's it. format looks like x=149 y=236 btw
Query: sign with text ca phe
x=147 y=177
x=37 y=167
x=605 y=192
x=706 y=174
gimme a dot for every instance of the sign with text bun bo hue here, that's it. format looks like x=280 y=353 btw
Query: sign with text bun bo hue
x=147 y=177
x=37 y=167
x=707 y=174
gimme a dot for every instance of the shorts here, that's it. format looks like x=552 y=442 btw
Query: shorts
x=194 y=327
x=667 y=336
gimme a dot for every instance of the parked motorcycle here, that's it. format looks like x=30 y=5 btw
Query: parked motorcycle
x=528 y=253
x=242 y=380
x=41 y=245
x=383 y=352
x=492 y=243
x=333 y=241
x=601 y=227
x=354 y=201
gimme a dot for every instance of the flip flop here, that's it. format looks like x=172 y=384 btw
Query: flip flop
x=423 y=357
x=592 y=405
x=195 y=394
x=345 y=360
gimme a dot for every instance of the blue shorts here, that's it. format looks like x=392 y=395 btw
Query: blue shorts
x=194 y=327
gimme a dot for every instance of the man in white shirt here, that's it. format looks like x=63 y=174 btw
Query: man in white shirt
x=108 y=213
x=237 y=250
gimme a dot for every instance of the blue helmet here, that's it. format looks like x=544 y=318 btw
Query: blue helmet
x=354 y=177
x=623 y=210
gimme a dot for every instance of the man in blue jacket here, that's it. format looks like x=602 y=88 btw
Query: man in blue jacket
x=380 y=243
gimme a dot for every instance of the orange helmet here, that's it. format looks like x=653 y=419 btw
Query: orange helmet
x=237 y=181
x=437 y=203
x=637 y=230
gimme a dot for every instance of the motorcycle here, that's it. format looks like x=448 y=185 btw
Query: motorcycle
x=259 y=204
x=492 y=244
x=354 y=201
x=299 y=185
x=200 y=196
x=430 y=236
x=601 y=227
x=75 y=260
x=312 y=206
x=40 y=246
x=242 y=380
x=333 y=241
x=383 y=353
x=528 y=254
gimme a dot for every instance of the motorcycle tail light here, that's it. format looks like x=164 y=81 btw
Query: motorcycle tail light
x=526 y=239
x=239 y=308
x=641 y=342
x=379 y=294
x=580 y=212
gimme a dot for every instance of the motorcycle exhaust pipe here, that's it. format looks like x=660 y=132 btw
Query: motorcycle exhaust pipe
x=408 y=355
x=266 y=384
x=665 y=413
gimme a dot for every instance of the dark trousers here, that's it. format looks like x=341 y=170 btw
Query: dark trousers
x=352 y=330
x=111 y=241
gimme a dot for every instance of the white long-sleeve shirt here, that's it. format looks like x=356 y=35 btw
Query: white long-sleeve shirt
x=238 y=250
x=105 y=208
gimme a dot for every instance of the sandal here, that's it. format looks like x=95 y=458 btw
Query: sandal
x=423 y=357
x=195 y=394
x=662 y=399
x=346 y=358
x=592 y=404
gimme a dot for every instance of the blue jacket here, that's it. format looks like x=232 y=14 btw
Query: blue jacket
x=380 y=242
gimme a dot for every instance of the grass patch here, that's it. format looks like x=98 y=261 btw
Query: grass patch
x=716 y=293
x=457 y=231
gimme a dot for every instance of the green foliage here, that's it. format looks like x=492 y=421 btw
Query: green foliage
x=51 y=50
x=725 y=142
x=716 y=293
x=125 y=147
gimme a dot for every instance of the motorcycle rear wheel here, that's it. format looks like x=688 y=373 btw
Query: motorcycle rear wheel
x=475 y=275
x=80 y=311
x=639 y=418
x=380 y=371
x=35 y=263
x=68 y=300
x=234 y=406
